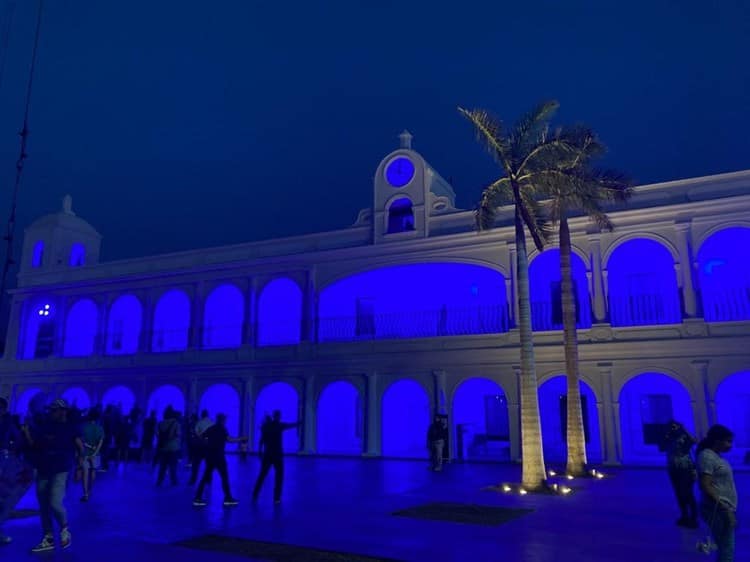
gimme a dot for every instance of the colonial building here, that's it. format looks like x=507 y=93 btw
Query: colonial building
x=366 y=331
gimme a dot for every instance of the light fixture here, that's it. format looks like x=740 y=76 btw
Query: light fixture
x=552 y=473
x=522 y=492
x=506 y=488
x=44 y=311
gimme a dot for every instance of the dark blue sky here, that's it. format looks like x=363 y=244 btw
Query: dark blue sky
x=182 y=124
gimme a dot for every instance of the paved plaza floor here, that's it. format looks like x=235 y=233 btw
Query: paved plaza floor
x=346 y=505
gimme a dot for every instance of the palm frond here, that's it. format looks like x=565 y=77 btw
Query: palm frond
x=530 y=130
x=495 y=195
x=489 y=132
x=535 y=218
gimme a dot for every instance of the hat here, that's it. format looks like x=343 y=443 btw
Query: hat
x=59 y=404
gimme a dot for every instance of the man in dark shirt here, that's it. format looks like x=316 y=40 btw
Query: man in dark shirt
x=272 y=454
x=54 y=442
x=215 y=439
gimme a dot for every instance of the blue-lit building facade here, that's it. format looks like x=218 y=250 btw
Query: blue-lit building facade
x=365 y=332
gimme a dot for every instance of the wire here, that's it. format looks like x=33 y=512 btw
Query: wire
x=24 y=134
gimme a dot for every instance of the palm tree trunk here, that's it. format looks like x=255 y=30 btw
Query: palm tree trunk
x=532 y=455
x=576 y=464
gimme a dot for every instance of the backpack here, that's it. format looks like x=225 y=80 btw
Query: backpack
x=167 y=434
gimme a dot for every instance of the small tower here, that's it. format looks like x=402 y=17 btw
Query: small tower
x=406 y=193
x=58 y=241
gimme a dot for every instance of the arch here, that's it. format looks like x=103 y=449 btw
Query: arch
x=163 y=396
x=171 y=322
x=280 y=313
x=424 y=299
x=480 y=420
x=39 y=327
x=724 y=275
x=400 y=215
x=280 y=396
x=77 y=397
x=124 y=325
x=37 y=255
x=81 y=328
x=733 y=411
x=121 y=397
x=25 y=402
x=223 y=317
x=77 y=255
x=546 y=299
x=405 y=409
x=340 y=419
x=642 y=285
x=648 y=402
x=222 y=398
x=553 y=408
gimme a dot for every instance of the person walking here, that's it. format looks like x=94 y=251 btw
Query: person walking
x=198 y=444
x=678 y=444
x=92 y=436
x=54 y=443
x=435 y=443
x=718 y=491
x=169 y=446
x=215 y=439
x=272 y=454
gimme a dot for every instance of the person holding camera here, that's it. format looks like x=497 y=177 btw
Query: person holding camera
x=678 y=444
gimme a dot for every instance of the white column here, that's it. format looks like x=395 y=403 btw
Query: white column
x=704 y=405
x=372 y=425
x=439 y=404
x=597 y=279
x=102 y=333
x=309 y=445
x=61 y=315
x=247 y=412
x=686 y=262
x=610 y=409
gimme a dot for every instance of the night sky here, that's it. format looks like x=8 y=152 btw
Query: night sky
x=184 y=124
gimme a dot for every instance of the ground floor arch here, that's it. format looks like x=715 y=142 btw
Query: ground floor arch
x=553 y=408
x=222 y=398
x=340 y=419
x=120 y=397
x=405 y=418
x=29 y=401
x=77 y=397
x=647 y=404
x=733 y=411
x=164 y=396
x=284 y=397
x=480 y=421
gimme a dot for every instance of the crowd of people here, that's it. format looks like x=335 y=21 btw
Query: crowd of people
x=62 y=442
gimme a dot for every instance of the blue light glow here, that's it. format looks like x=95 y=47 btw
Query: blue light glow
x=124 y=325
x=78 y=397
x=400 y=216
x=648 y=401
x=223 y=399
x=223 y=318
x=81 y=327
x=554 y=422
x=480 y=420
x=77 y=255
x=544 y=285
x=724 y=275
x=166 y=395
x=171 y=322
x=37 y=256
x=38 y=330
x=280 y=313
x=415 y=300
x=405 y=419
x=733 y=411
x=340 y=419
x=399 y=171
x=642 y=285
x=23 y=402
x=121 y=397
x=279 y=396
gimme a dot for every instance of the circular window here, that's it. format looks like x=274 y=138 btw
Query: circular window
x=399 y=171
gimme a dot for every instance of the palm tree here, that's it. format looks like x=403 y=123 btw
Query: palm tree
x=576 y=187
x=524 y=153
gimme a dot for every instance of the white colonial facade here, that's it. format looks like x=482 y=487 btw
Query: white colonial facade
x=365 y=332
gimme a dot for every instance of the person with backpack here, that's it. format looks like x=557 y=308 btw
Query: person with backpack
x=215 y=439
x=168 y=446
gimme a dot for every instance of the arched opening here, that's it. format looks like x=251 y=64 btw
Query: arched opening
x=171 y=322
x=733 y=411
x=119 y=397
x=400 y=216
x=546 y=295
x=553 y=406
x=647 y=404
x=77 y=397
x=25 y=402
x=340 y=419
x=480 y=421
x=163 y=396
x=405 y=419
x=280 y=313
x=38 y=339
x=37 y=256
x=413 y=301
x=223 y=317
x=81 y=327
x=283 y=397
x=224 y=399
x=724 y=275
x=77 y=255
x=642 y=285
x=124 y=325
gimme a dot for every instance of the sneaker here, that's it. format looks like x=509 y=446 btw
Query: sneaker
x=65 y=538
x=277 y=502
x=199 y=502
x=5 y=539
x=47 y=544
x=230 y=501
